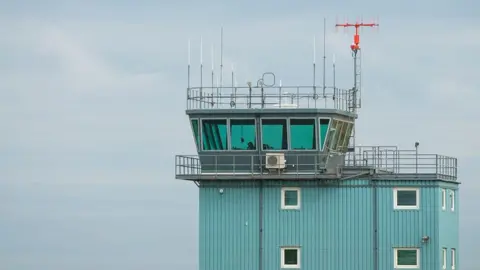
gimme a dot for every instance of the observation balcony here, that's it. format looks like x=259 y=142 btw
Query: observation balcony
x=379 y=162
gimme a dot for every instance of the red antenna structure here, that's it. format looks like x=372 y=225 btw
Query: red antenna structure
x=356 y=38
x=355 y=98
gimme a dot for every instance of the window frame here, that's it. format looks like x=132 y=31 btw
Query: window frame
x=453 y=258
x=452 y=200
x=289 y=133
x=230 y=134
x=282 y=257
x=444 y=199
x=406 y=207
x=199 y=127
x=261 y=134
x=322 y=147
x=299 y=198
x=444 y=258
x=331 y=134
x=346 y=140
x=395 y=259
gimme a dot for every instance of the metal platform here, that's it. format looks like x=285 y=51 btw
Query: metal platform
x=381 y=162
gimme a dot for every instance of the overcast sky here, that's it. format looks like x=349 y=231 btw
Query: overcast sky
x=92 y=97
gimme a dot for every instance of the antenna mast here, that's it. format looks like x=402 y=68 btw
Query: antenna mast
x=355 y=47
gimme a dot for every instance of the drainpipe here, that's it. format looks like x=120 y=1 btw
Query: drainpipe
x=260 y=194
x=373 y=184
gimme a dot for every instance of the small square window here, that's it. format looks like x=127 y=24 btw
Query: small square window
x=444 y=199
x=454 y=259
x=444 y=258
x=290 y=257
x=452 y=200
x=406 y=198
x=290 y=198
x=406 y=258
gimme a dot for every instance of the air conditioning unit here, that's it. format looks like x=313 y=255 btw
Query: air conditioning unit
x=275 y=161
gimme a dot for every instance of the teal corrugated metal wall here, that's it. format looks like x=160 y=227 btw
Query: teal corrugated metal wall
x=334 y=227
x=448 y=223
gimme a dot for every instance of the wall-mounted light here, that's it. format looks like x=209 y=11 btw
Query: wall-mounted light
x=220 y=191
x=425 y=239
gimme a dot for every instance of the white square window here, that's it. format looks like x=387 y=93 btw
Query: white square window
x=290 y=257
x=454 y=259
x=290 y=198
x=452 y=200
x=444 y=258
x=444 y=199
x=406 y=258
x=406 y=198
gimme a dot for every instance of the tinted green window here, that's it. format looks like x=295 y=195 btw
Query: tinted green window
x=406 y=257
x=291 y=256
x=323 y=131
x=214 y=134
x=302 y=134
x=406 y=197
x=196 y=132
x=291 y=197
x=242 y=133
x=274 y=134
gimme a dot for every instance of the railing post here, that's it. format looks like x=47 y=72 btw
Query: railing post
x=436 y=164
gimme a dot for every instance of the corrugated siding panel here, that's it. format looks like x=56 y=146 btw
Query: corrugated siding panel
x=229 y=228
x=333 y=223
x=334 y=226
x=448 y=223
x=405 y=228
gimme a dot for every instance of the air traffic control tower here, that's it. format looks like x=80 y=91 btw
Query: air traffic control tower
x=283 y=186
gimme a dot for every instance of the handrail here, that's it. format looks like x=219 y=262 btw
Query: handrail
x=384 y=159
x=233 y=97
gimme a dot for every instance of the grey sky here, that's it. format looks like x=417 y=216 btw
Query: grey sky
x=92 y=112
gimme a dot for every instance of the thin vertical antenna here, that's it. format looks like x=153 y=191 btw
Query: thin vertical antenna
x=314 y=71
x=188 y=73
x=188 y=64
x=221 y=57
x=213 y=69
x=334 y=85
x=233 y=72
x=324 y=56
x=201 y=72
x=221 y=64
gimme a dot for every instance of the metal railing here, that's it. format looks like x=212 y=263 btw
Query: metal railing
x=384 y=159
x=394 y=160
x=265 y=97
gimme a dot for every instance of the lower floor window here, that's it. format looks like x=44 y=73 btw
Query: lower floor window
x=407 y=258
x=290 y=257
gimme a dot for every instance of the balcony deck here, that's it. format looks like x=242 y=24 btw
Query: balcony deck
x=379 y=162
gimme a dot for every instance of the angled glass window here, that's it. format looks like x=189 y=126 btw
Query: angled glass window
x=303 y=134
x=341 y=127
x=214 y=134
x=332 y=135
x=274 y=134
x=196 y=132
x=323 y=131
x=242 y=134
x=346 y=137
